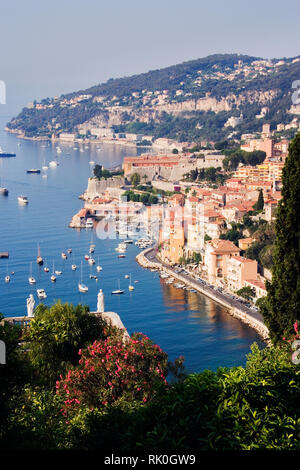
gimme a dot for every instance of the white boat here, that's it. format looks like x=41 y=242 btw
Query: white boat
x=23 y=199
x=89 y=223
x=58 y=273
x=53 y=277
x=118 y=291
x=53 y=163
x=82 y=287
x=64 y=256
x=92 y=162
x=99 y=268
x=91 y=261
x=39 y=259
x=130 y=287
x=41 y=294
x=7 y=279
x=3 y=191
x=58 y=150
x=74 y=267
x=31 y=279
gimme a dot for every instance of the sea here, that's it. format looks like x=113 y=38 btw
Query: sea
x=183 y=323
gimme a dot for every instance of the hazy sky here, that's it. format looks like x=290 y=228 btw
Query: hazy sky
x=49 y=47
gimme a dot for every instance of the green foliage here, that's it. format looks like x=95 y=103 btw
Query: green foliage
x=56 y=334
x=260 y=202
x=235 y=157
x=102 y=173
x=247 y=292
x=135 y=179
x=281 y=307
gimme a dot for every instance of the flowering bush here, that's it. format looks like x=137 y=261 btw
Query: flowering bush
x=110 y=370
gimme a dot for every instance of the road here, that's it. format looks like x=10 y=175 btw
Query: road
x=151 y=256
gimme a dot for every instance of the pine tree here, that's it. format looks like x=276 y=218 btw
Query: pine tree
x=281 y=307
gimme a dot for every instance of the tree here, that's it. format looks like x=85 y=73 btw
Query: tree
x=98 y=171
x=135 y=179
x=260 y=201
x=247 y=292
x=56 y=334
x=175 y=151
x=280 y=308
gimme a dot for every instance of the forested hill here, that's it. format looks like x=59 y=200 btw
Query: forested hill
x=189 y=101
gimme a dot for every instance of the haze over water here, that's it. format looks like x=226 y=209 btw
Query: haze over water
x=181 y=322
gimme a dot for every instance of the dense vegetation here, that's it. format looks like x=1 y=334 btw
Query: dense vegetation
x=116 y=396
x=281 y=306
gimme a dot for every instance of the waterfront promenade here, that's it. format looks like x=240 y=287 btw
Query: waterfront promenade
x=148 y=259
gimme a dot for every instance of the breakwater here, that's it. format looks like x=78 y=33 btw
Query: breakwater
x=253 y=320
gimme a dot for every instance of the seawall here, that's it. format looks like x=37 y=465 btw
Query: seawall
x=246 y=318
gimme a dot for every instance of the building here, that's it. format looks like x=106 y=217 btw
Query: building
x=258 y=285
x=217 y=252
x=239 y=270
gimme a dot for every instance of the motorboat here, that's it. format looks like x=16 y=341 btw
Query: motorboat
x=58 y=273
x=41 y=294
x=86 y=257
x=121 y=256
x=7 y=279
x=69 y=250
x=31 y=279
x=53 y=278
x=89 y=223
x=99 y=268
x=3 y=191
x=23 y=199
x=91 y=261
x=64 y=256
x=74 y=267
x=53 y=163
x=33 y=170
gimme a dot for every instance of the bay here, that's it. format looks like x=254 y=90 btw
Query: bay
x=181 y=322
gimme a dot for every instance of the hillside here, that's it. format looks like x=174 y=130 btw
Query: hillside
x=189 y=101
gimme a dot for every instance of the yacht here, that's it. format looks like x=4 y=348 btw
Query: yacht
x=6 y=154
x=41 y=294
x=91 y=261
x=82 y=287
x=23 y=199
x=33 y=170
x=74 y=267
x=7 y=279
x=53 y=277
x=89 y=223
x=3 y=191
x=39 y=259
x=64 y=256
x=31 y=279
x=130 y=287
x=118 y=291
x=99 y=268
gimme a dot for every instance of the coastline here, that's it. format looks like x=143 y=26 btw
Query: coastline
x=246 y=317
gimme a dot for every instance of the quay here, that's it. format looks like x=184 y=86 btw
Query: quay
x=148 y=259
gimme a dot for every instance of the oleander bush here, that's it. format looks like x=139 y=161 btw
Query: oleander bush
x=241 y=408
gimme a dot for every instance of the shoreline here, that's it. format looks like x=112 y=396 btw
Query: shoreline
x=234 y=311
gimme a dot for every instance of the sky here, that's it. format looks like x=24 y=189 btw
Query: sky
x=50 y=47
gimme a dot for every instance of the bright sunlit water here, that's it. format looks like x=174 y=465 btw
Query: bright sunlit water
x=182 y=323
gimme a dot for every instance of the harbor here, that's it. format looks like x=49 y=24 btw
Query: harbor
x=181 y=321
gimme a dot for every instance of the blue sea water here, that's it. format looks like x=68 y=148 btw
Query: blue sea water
x=181 y=322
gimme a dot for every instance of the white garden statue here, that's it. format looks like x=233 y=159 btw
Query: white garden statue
x=30 y=305
x=100 y=303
